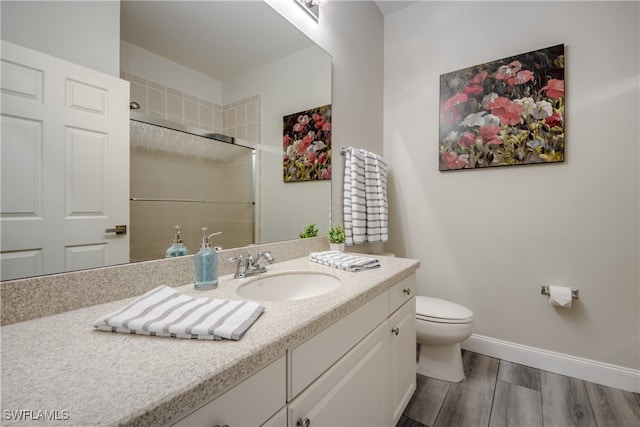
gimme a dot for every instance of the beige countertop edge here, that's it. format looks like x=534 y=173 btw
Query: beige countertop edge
x=191 y=372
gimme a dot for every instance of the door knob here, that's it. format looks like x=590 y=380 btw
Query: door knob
x=120 y=229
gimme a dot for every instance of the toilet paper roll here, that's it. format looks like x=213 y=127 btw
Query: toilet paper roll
x=560 y=296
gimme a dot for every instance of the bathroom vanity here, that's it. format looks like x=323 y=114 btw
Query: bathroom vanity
x=358 y=371
x=347 y=357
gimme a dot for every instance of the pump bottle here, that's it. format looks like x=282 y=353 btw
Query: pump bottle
x=177 y=248
x=206 y=263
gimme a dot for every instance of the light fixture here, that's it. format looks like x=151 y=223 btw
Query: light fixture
x=312 y=7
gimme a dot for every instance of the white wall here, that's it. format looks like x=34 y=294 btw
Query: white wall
x=489 y=238
x=142 y=63
x=85 y=33
x=352 y=33
x=298 y=82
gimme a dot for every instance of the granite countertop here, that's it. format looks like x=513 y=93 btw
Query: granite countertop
x=83 y=377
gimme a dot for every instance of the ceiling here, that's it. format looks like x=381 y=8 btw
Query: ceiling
x=387 y=7
x=188 y=32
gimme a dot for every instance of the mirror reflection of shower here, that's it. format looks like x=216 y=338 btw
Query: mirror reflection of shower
x=181 y=176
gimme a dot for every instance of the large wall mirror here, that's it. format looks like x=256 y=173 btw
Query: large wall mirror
x=228 y=67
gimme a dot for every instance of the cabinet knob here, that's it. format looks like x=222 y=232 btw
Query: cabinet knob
x=218 y=425
x=395 y=330
x=407 y=291
x=303 y=422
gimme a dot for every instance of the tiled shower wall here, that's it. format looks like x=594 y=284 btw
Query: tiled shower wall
x=241 y=119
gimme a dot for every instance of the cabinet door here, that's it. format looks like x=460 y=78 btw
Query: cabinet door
x=402 y=325
x=278 y=420
x=353 y=392
x=250 y=403
x=313 y=357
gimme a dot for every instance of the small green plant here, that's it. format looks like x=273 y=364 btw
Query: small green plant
x=336 y=234
x=309 y=231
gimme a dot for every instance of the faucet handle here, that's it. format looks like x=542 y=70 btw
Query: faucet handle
x=241 y=266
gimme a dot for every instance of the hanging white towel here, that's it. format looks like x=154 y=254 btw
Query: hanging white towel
x=365 y=204
x=344 y=261
x=164 y=312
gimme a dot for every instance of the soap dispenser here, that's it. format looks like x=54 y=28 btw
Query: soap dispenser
x=177 y=248
x=206 y=263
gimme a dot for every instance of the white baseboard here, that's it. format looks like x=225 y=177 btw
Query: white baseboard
x=576 y=367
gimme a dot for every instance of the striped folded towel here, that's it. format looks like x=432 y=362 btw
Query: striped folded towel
x=344 y=261
x=164 y=312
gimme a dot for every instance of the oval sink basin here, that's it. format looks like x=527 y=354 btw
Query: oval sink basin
x=288 y=286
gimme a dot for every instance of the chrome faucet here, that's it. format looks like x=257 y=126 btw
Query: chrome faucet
x=250 y=265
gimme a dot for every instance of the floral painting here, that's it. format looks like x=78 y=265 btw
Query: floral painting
x=505 y=112
x=307 y=145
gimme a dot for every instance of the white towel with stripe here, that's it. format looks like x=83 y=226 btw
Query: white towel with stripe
x=344 y=261
x=164 y=312
x=365 y=204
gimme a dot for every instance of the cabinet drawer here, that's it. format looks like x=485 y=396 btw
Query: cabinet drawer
x=250 y=403
x=401 y=292
x=311 y=358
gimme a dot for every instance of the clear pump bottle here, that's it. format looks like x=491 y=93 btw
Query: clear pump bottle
x=177 y=248
x=206 y=263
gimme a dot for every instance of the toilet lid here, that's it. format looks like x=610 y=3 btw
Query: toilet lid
x=442 y=310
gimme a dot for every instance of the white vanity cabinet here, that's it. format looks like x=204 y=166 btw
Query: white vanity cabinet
x=402 y=357
x=367 y=384
x=402 y=323
x=353 y=392
x=359 y=371
x=259 y=400
x=278 y=420
x=310 y=359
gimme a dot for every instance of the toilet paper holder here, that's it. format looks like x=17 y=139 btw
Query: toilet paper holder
x=544 y=290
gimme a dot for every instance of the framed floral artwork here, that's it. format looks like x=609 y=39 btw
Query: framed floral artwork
x=505 y=112
x=307 y=145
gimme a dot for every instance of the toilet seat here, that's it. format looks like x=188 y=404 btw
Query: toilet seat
x=441 y=311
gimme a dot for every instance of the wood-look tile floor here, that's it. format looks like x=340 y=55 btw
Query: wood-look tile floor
x=497 y=393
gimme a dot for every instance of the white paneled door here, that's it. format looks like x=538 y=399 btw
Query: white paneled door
x=64 y=165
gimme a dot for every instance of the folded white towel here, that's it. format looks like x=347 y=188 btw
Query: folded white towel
x=164 y=312
x=365 y=205
x=344 y=261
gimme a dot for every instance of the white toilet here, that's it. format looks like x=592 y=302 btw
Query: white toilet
x=440 y=328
